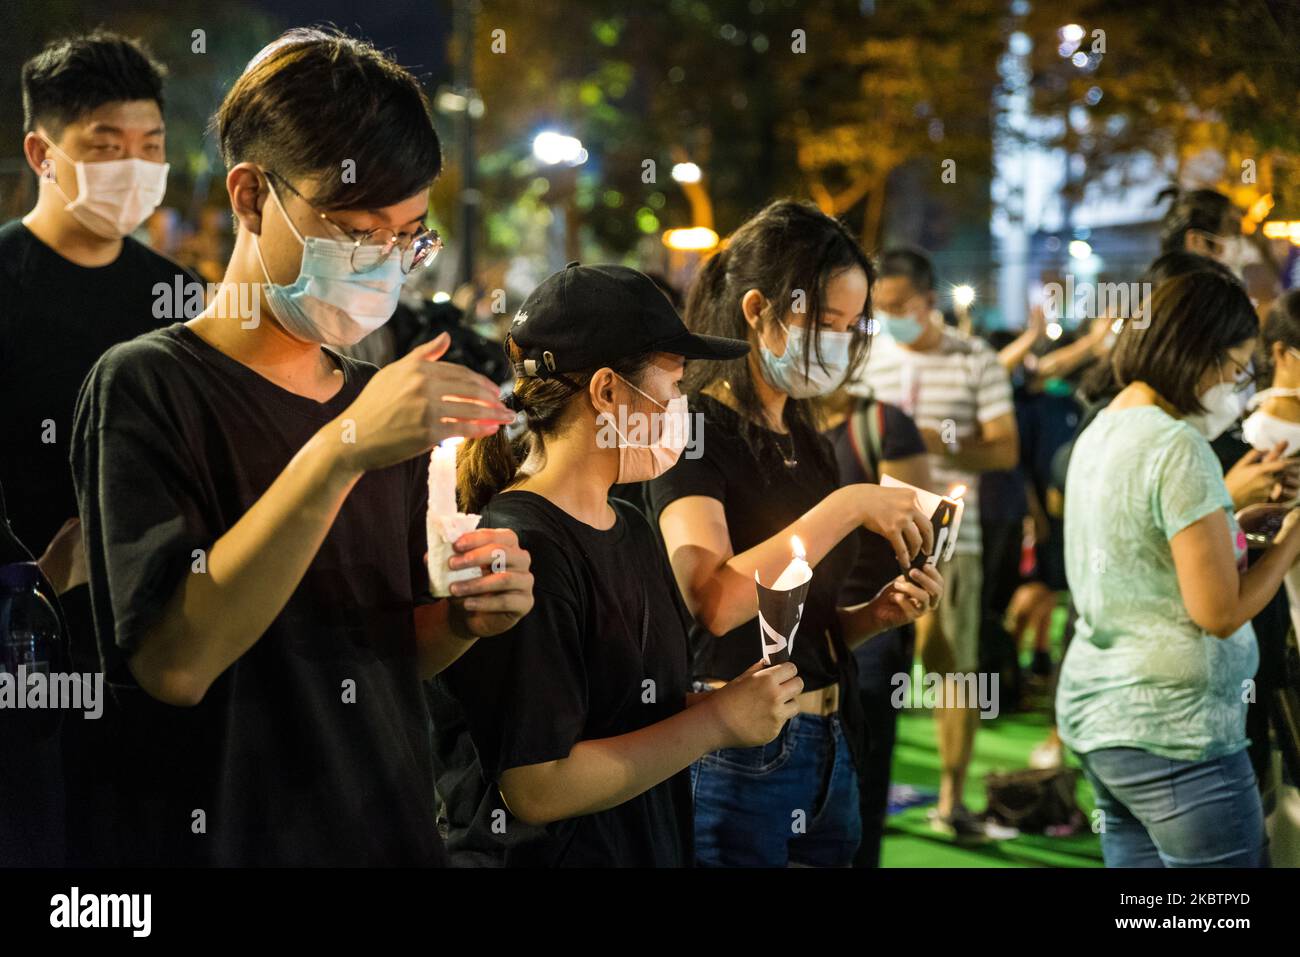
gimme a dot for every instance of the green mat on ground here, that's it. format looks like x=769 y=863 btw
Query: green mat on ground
x=1001 y=744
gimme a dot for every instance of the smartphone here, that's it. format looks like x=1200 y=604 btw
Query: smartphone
x=1261 y=523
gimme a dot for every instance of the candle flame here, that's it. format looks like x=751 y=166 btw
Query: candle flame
x=957 y=491
x=796 y=546
x=452 y=442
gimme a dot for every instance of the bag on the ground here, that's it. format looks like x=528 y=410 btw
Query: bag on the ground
x=1034 y=800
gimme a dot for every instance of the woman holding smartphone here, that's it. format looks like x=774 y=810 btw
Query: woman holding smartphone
x=1153 y=689
x=794 y=283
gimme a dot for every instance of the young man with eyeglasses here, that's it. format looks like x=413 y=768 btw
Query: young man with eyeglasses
x=254 y=502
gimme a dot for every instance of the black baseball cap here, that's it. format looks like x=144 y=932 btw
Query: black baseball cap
x=588 y=317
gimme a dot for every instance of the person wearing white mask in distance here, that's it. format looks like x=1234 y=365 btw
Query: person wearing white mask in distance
x=1274 y=422
x=73 y=282
x=254 y=503
x=1152 y=694
x=960 y=396
x=582 y=720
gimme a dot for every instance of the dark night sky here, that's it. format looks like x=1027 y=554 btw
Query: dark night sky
x=415 y=30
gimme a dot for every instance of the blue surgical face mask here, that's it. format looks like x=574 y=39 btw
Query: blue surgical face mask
x=329 y=302
x=802 y=379
x=902 y=329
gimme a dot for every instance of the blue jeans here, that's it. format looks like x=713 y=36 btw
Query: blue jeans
x=793 y=801
x=1158 y=812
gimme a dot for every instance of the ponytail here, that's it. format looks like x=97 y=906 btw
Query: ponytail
x=484 y=467
x=491 y=464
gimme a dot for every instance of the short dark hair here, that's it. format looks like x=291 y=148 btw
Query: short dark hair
x=910 y=263
x=315 y=98
x=74 y=75
x=1194 y=319
x=1202 y=209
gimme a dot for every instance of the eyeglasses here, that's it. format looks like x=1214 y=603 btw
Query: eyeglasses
x=1244 y=378
x=372 y=247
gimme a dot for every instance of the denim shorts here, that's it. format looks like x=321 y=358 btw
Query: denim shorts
x=1159 y=812
x=790 y=802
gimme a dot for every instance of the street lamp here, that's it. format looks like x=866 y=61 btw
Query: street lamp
x=695 y=239
x=687 y=173
x=557 y=149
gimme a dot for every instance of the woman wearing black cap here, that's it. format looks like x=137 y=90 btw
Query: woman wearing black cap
x=795 y=284
x=579 y=717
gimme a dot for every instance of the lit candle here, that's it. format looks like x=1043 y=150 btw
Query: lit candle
x=797 y=572
x=442 y=477
x=780 y=608
x=444 y=523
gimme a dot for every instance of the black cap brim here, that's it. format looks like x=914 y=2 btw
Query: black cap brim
x=692 y=346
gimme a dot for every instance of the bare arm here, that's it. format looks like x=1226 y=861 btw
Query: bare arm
x=213 y=619
x=998 y=446
x=914 y=470
x=1219 y=598
x=602 y=773
x=718 y=585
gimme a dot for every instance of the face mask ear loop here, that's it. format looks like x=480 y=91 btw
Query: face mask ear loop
x=270 y=187
x=650 y=397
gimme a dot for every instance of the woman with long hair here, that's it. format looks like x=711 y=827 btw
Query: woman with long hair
x=794 y=284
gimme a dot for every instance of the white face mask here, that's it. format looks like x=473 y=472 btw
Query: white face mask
x=115 y=196
x=640 y=463
x=329 y=302
x=1223 y=406
x=1263 y=431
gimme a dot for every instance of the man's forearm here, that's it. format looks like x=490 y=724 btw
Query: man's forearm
x=982 y=455
x=214 y=618
x=439 y=640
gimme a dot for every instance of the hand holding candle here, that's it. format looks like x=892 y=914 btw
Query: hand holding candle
x=780 y=607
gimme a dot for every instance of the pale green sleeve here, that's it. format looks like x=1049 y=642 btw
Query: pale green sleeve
x=1187 y=483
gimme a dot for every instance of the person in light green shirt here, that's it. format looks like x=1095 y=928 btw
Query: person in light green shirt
x=1153 y=690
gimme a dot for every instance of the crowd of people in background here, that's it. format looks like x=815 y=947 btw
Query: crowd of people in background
x=230 y=511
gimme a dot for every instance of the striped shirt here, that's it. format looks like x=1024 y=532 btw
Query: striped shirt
x=954 y=388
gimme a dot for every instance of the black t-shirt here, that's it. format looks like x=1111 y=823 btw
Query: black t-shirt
x=601 y=654
x=759 y=501
x=56 y=319
x=313 y=748
x=899 y=439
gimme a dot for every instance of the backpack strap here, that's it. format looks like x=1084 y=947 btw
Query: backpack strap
x=866 y=425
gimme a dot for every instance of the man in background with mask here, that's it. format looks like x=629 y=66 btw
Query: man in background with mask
x=73 y=283
x=953 y=387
